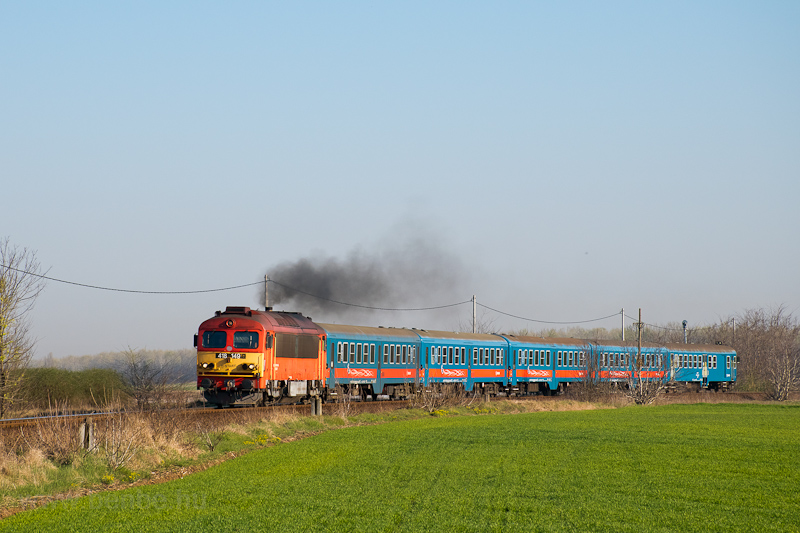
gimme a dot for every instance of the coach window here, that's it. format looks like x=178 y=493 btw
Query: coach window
x=405 y=353
x=728 y=362
x=358 y=353
x=391 y=354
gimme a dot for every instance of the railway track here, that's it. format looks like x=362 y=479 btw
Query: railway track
x=350 y=407
x=11 y=429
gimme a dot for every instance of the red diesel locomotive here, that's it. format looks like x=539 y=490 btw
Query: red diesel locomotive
x=253 y=357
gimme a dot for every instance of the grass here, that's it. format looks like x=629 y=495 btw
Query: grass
x=703 y=467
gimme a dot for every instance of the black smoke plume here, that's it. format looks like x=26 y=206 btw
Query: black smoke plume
x=415 y=273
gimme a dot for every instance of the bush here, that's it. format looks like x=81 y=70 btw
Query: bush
x=48 y=387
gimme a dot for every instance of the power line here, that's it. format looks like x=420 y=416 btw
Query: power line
x=288 y=287
x=49 y=278
x=548 y=321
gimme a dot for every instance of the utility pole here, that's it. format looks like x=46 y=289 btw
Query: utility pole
x=266 y=292
x=734 y=332
x=622 y=313
x=684 y=331
x=474 y=312
x=639 y=343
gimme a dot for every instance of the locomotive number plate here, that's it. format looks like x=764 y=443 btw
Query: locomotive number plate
x=231 y=355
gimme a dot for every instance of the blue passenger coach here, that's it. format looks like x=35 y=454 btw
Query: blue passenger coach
x=710 y=366
x=372 y=360
x=468 y=359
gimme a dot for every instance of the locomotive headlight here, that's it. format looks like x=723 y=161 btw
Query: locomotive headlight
x=251 y=366
x=205 y=365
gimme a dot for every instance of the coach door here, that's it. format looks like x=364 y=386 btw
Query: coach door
x=705 y=370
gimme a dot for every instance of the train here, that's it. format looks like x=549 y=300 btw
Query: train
x=251 y=357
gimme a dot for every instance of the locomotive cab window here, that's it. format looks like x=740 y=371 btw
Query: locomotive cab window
x=245 y=340
x=215 y=339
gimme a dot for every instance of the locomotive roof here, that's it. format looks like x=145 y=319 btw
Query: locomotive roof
x=279 y=321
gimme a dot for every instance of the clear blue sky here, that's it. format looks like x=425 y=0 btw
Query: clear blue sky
x=570 y=158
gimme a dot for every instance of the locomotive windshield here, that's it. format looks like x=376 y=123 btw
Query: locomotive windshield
x=214 y=339
x=247 y=340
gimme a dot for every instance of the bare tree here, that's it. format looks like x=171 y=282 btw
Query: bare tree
x=146 y=376
x=593 y=385
x=484 y=324
x=649 y=374
x=20 y=285
x=768 y=344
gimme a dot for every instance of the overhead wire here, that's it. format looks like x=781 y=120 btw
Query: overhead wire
x=50 y=278
x=549 y=321
x=294 y=289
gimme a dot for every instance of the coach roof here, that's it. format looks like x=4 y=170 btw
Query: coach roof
x=368 y=331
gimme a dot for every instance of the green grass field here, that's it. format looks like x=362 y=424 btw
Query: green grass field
x=702 y=467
